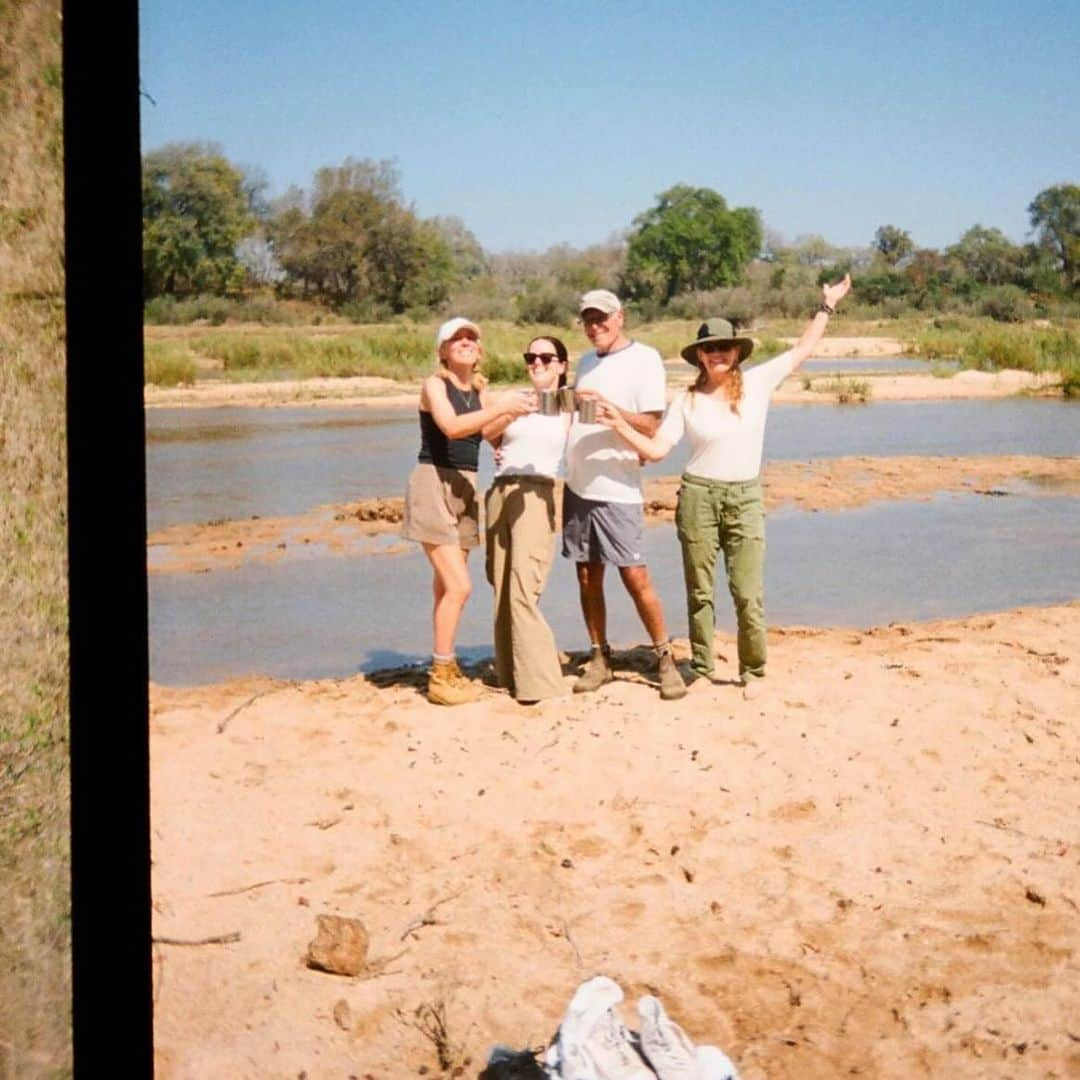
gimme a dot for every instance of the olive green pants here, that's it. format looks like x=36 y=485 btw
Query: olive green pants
x=714 y=516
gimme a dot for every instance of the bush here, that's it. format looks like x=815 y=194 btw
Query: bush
x=1005 y=303
x=166 y=364
x=218 y=310
x=548 y=304
x=848 y=391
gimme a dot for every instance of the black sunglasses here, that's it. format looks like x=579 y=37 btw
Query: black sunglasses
x=544 y=358
x=715 y=347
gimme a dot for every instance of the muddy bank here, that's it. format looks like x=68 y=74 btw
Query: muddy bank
x=832 y=484
x=870 y=870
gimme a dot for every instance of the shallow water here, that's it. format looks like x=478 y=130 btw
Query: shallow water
x=209 y=464
x=333 y=617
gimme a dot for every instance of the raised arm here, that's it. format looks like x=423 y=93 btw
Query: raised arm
x=815 y=328
x=434 y=399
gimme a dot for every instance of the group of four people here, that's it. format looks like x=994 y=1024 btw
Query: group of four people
x=720 y=506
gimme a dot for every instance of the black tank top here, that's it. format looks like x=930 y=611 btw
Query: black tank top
x=437 y=449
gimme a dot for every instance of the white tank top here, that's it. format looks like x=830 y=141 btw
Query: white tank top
x=533 y=445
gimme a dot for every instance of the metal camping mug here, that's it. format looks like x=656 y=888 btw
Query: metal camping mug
x=549 y=403
x=587 y=410
x=566 y=399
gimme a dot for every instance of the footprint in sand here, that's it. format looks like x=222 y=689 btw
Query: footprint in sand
x=794 y=811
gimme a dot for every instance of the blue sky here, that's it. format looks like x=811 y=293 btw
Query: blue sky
x=559 y=122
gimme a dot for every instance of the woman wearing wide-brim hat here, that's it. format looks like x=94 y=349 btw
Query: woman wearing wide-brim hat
x=720 y=505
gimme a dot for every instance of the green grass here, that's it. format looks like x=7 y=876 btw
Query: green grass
x=846 y=390
x=169 y=364
x=993 y=346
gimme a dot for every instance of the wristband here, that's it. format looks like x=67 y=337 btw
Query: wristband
x=825 y=308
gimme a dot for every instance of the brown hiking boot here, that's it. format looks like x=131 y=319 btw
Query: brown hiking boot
x=672 y=686
x=448 y=686
x=597 y=671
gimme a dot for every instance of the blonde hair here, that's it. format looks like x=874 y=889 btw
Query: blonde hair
x=479 y=379
x=733 y=388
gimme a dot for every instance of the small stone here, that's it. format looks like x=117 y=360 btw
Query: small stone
x=340 y=946
x=343 y=1014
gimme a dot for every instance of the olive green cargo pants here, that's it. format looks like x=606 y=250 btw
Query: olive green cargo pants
x=714 y=516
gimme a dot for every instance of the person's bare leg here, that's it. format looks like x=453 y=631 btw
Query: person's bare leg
x=593 y=606
x=597 y=670
x=451 y=588
x=639 y=585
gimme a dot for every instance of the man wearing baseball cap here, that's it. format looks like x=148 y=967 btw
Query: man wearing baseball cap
x=603 y=506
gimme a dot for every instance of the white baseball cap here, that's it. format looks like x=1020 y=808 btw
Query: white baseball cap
x=600 y=300
x=451 y=327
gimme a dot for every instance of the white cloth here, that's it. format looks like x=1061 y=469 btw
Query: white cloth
x=599 y=465
x=723 y=445
x=533 y=445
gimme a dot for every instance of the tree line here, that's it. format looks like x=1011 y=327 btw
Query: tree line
x=351 y=243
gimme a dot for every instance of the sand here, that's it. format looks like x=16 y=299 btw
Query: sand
x=871 y=870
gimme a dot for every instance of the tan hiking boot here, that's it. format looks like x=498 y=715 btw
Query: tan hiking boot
x=448 y=686
x=597 y=671
x=672 y=686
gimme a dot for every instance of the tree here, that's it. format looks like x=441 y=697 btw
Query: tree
x=353 y=241
x=1055 y=218
x=467 y=254
x=196 y=209
x=689 y=240
x=987 y=256
x=893 y=244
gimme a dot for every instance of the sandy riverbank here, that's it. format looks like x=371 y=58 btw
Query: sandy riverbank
x=871 y=870
x=373 y=392
x=831 y=484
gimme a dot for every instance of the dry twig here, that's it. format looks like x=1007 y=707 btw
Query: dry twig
x=260 y=884
x=217 y=939
x=428 y=918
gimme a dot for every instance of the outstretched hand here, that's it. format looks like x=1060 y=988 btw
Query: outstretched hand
x=518 y=402
x=609 y=416
x=837 y=291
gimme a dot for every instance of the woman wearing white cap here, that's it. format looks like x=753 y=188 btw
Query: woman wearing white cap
x=441 y=508
x=720 y=505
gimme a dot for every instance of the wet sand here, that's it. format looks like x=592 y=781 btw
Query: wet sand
x=871 y=870
x=833 y=484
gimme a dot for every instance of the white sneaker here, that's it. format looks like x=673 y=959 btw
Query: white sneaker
x=715 y=1064
x=665 y=1045
x=613 y=1055
x=568 y=1054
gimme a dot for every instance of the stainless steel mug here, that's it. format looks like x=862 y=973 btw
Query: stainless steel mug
x=587 y=410
x=566 y=399
x=549 y=403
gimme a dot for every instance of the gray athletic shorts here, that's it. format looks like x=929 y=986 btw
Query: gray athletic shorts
x=602 y=532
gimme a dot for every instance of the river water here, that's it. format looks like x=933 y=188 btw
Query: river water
x=326 y=616
x=331 y=617
x=210 y=464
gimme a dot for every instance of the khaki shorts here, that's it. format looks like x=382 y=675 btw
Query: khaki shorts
x=441 y=507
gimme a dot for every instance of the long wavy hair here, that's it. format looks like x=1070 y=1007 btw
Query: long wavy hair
x=733 y=387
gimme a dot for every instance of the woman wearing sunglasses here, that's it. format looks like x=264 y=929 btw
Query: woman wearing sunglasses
x=520 y=512
x=441 y=510
x=720 y=505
